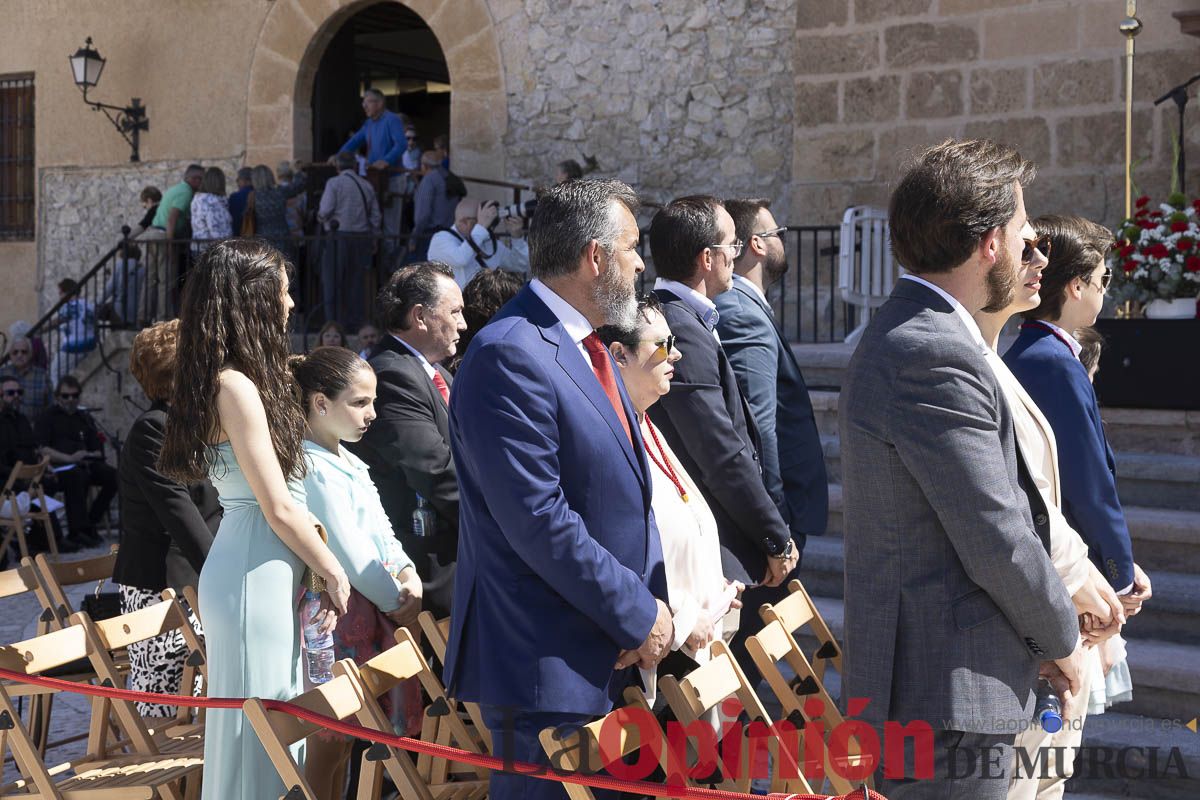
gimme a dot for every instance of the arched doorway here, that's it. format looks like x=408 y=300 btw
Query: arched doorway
x=388 y=47
x=295 y=38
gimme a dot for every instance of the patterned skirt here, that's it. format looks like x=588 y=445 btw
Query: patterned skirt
x=156 y=665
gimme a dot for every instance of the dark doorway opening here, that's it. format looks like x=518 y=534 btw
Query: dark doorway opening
x=388 y=47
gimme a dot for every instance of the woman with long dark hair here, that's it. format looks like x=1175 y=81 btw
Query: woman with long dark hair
x=234 y=418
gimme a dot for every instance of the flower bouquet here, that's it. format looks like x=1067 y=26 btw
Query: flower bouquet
x=1156 y=259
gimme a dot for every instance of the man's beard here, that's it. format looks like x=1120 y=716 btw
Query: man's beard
x=776 y=266
x=616 y=299
x=1001 y=282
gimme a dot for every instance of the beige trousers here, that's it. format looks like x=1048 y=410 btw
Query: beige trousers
x=1051 y=754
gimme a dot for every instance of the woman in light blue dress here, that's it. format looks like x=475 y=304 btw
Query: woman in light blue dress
x=338 y=395
x=234 y=420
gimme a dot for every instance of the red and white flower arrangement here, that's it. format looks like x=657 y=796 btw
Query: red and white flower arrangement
x=1157 y=253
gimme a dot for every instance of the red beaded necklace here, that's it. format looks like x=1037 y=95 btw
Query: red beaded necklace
x=665 y=464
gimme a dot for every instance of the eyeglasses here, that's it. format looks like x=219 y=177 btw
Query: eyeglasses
x=71 y=396
x=737 y=248
x=1105 y=279
x=1041 y=244
x=14 y=392
x=665 y=346
x=773 y=232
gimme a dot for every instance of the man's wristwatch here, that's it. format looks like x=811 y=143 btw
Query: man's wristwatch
x=788 y=551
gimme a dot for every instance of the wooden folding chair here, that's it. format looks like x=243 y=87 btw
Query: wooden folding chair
x=708 y=687
x=797 y=611
x=185 y=731
x=278 y=731
x=141 y=772
x=429 y=779
x=803 y=699
x=13 y=523
x=55 y=576
x=437 y=633
x=585 y=744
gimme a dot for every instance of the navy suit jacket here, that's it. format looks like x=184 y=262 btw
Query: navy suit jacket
x=1058 y=383
x=793 y=462
x=706 y=422
x=559 y=559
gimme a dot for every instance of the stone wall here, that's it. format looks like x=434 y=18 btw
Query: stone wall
x=81 y=211
x=672 y=96
x=878 y=79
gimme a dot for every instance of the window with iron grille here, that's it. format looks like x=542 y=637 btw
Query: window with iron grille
x=16 y=157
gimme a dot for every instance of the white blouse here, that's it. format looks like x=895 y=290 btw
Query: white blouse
x=691 y=552
x=1035 y=438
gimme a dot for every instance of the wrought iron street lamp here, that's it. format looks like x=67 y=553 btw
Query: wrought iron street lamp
x=130 y=120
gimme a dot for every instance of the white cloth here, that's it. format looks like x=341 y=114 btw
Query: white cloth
x=1067 y=337
x=451 y=248
x=575 y=323
x=691 y=553
x=699 y=303
x=425 y=365
x=1035 y=438
x=959 y=309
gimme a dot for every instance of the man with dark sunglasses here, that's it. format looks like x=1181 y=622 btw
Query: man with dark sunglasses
x=70 y=437
x=793 y=463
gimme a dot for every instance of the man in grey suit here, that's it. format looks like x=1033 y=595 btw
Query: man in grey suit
x=951 y=599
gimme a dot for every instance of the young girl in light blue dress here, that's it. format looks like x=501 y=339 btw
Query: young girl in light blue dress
x=338 y=394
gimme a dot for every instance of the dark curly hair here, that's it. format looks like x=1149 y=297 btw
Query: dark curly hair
x=232 y=317
x=483 y=296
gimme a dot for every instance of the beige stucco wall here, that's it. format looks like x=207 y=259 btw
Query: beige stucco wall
x=18 y=260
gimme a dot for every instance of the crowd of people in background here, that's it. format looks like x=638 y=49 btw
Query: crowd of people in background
x=452 y=454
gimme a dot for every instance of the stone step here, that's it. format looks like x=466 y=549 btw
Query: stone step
x=823 y=365
x=1159 y=480
x=1155 y=480
x=1166 y=697
x=1163 y=538
x=1129 y=430
x=1170 y=615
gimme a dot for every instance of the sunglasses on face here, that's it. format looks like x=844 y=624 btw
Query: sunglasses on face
x=773 y=232
x=1041 y=244
x=1105 y=279
x=72 y=396
x=664 y=346
x=14 y=392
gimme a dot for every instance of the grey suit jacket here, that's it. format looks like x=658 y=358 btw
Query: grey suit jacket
x=951 y=599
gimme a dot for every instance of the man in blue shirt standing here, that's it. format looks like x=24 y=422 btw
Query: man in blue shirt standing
x=383 y=134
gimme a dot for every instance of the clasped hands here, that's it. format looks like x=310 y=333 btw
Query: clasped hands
x=1102 y=613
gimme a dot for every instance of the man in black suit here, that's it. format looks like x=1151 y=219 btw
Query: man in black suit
x=408 y=445
x=704 y=416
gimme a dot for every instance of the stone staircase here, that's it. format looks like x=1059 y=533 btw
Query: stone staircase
x=1158 y=468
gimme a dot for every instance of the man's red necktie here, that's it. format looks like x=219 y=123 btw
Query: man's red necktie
x=602 y=366
x=440 y=383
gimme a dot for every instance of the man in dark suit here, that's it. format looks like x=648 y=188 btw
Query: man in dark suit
x=560 y=572
x=704 y=416
x=408 y=445
x=793 y=463
x=951 y=598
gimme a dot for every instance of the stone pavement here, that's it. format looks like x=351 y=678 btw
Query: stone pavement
x=71 y=713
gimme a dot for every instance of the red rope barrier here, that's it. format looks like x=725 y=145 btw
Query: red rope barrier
x=412 y=745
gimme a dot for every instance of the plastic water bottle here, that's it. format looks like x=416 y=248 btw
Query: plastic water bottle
x=318 y=647
x=424 y=520
x=1048 y=710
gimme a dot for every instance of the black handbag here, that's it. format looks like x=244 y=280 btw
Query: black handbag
x=101 y=605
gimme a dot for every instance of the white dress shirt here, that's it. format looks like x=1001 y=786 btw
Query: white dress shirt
x=959 y=309
x=425 y=365
x=698 y=302
x=575 y=323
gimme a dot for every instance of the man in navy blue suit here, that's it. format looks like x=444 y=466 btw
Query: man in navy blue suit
x=560 y=587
